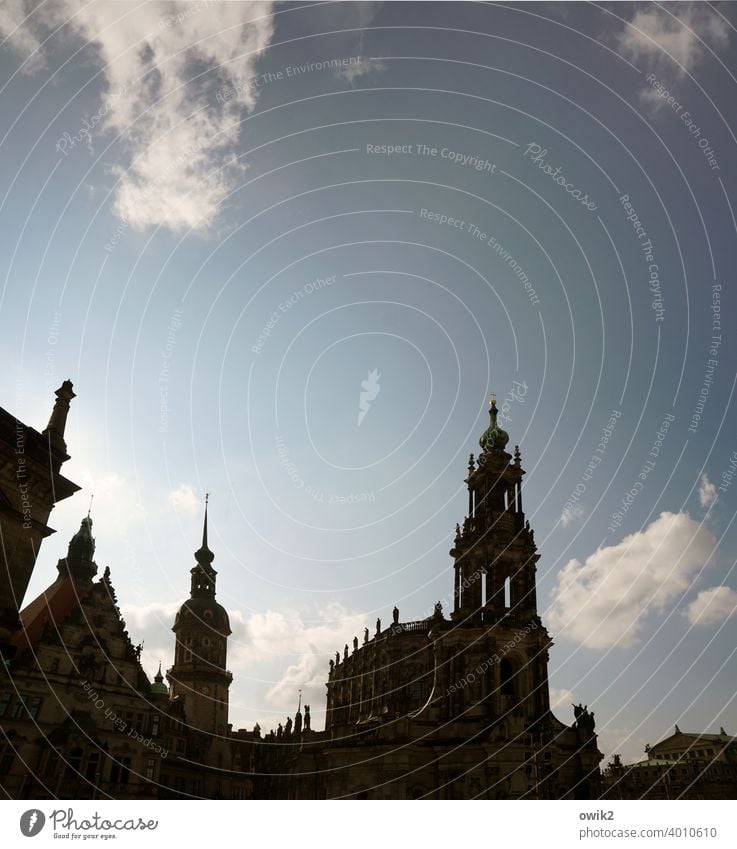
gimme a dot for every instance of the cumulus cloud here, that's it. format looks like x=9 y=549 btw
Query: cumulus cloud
x=606 y=600
x=571 y=514
x=290 y=652
x=712 y=606
x=707 y=492
x=681 y=35
x=164 y=64
x=183 y=498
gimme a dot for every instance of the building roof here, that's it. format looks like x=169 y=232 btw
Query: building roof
x=53 y=605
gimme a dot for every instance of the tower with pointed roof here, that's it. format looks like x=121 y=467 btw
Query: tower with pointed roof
x=199 y=676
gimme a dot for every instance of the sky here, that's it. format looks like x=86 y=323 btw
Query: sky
x=286 y=252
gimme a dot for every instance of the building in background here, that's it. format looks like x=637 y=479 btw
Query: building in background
x=683 y=766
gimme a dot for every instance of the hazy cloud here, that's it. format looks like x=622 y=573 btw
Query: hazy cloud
x=183 y=498
x=560 y=700
x=21 y=37
x=571 y=514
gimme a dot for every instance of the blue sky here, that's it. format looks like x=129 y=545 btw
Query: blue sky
x=226 y=221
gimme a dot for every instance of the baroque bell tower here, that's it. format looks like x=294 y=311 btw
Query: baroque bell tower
x=199 y=676
x=494 y=551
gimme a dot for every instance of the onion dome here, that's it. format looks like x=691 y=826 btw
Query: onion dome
x=158 y=688
x=493 y=438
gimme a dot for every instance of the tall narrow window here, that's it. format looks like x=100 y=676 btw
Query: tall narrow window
x=7 y=756
x=93 y=763
x=74 y=762
x=506 y=676
x=507 y=593
x=5 y=701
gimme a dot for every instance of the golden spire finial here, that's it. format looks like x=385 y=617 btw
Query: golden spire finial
x=492 y=402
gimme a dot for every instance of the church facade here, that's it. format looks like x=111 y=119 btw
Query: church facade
x=451 y=706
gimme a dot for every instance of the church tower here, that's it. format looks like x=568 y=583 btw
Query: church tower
x=199 y=676
x=494 y=583
x=494 y=552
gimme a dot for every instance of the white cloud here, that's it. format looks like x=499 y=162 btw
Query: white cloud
x=183 y=498
x=571 y=514
x=707 y=492
x=654 y=35
x=163 y=64
x=712 y=606
x=605 y=600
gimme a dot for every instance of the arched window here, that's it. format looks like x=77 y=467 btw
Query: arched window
x=506 y=678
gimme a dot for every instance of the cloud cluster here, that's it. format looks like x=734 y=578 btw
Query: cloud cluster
x=681 y=34
x=161 y=63
x=275 y=635
x=606 y=600
x=290 y=651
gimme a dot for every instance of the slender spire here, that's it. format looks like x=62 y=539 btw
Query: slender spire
x=89 y=509
x=204 y=528
x=203 y=575
x=204 y=556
